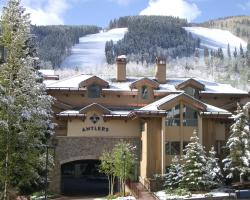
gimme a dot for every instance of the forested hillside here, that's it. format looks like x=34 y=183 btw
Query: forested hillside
x=54 y=42
x=238 y=25
x=151 y=36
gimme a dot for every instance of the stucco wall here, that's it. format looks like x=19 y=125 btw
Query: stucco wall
x=110 y=128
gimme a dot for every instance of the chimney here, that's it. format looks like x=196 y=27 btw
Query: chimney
x=121 y=68
x=160 y=72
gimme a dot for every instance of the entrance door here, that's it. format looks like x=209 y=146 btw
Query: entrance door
x=83 y=178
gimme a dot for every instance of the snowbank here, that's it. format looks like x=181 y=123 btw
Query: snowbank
x=163 y=196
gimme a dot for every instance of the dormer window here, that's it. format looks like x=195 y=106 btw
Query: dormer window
x=94 y=91
x=191 y=87
x=144 y=92
x=192 y=91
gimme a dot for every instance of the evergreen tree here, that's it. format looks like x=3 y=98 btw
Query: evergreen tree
x=194 y=168
x=143 y=39
x=248 y=46
x=25 y=109
x=237 y=163
x=174 y=174
x=206 y=52
x=228 y=51
x=235 y=53
x=220 y=54
x=241 y=51
x=213 y=169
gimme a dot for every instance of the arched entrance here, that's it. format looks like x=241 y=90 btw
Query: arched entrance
x=82 y=177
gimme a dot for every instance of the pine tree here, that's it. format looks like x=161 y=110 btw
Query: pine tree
x=248 y=46
x=213 y=169
x=235 y=52
x=174 y=175
x=220 y=54
x=241 y=51
x=237 y=163
x=194 y=168
x=25 y=108
x=228 y=51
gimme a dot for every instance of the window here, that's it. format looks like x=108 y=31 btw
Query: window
x=173 y=116
x=192 y=92
x=185 y=143
x=94 y=91
x=172 y=148
x=190 y=116
x=144 y=92
x=142 y=126
x=219 y=146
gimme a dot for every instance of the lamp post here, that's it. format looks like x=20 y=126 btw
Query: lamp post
x=52 y=146
x=124 y=170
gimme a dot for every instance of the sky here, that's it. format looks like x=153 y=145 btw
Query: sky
x=100 y=12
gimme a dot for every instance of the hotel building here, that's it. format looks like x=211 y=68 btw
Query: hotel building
x=157 y=115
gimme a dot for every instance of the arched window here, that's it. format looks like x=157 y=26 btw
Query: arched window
x=144 y=92
x=94 y=91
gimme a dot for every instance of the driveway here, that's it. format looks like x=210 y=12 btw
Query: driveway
x=80 y=198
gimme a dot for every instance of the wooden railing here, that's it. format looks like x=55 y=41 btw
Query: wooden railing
x=153 y=185
x=133 y=189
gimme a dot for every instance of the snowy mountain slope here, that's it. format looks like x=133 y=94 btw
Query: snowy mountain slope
x=215 y=38
x=90 y=51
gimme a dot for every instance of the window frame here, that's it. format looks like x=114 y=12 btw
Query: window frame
x=186 y=121
x=144 y=92
x=90 y=93
x=170 y=150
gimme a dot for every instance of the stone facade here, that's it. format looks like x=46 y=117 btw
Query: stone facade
x=81 y=148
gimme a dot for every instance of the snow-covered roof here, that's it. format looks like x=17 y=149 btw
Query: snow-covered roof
x=209 y=109
x=47 y=72
x=169 y=86
x=155 y=105
x=77 y=112
x=215 y=110
x=122 y=56
x=72 y=82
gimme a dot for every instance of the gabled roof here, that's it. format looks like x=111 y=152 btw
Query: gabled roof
x=93 y=80
x=192 y=83
x=72 y=84
x=144 y=81
x=96 y=107
x=170 y=100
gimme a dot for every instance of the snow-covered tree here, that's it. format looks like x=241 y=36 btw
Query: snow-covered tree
x=237 y=163
x=25 y=108
x=174 y=175
x=194 y=167
x=214 y=174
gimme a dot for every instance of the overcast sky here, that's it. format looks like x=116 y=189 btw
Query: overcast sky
x=100 y=12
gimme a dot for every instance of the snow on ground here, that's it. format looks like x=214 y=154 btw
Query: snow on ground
x=90 y=52
x=163 y=196
x=120 y=198
x=215 y=38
